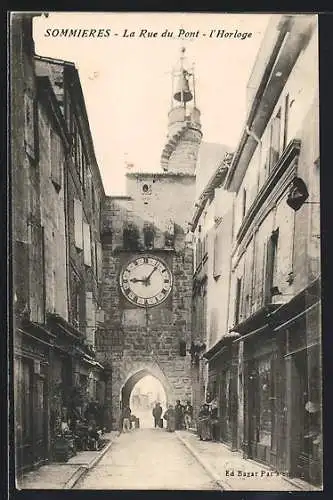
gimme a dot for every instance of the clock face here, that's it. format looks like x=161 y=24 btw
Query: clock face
x=146 y=281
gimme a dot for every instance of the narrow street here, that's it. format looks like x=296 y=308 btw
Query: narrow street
x=148 y=459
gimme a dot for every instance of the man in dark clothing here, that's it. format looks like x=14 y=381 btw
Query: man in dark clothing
x=179 y=415
x=157 y=413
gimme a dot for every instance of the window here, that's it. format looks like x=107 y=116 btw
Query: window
x=78 y=234
x=238 y=300
x=86 y=244
x=271 y=266
x=274 y=152
x=77 y=302
x=266 y=388
x=148 y=236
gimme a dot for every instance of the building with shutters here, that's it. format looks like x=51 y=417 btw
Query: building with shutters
x=274 y=301
x=211 y=228
x=256 y=295
x=57 y=194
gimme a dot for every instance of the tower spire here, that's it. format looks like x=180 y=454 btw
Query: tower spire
x=183 y=93
x=184 y=128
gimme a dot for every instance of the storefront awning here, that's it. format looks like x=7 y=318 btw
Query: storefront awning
x=225 y=341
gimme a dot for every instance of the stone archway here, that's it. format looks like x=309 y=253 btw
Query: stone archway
x=134 y=377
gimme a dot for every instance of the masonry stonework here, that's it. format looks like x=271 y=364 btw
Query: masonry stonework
x=137 y=340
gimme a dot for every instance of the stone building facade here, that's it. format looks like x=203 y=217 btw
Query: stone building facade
x=53 y=331
x=271 y=342
x=151 y=221
x=211 y=229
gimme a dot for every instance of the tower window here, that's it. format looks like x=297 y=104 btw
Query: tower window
x=146 y=189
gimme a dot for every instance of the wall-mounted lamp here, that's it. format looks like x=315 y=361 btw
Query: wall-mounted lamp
x=298 y=194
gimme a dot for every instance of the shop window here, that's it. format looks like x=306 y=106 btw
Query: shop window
x=264 y=431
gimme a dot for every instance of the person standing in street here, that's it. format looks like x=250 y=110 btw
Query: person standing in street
x=157 y=413
x=179 y=415
x=126 y=415
x=204 y=430
x=188 y=415
x=169 y=416
x=214 y=418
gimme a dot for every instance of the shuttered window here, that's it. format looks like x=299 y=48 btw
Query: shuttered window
x=78 y=234
x=86 y=244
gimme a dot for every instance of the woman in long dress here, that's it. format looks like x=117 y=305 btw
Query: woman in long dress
x=204 y=430
x=170 y=417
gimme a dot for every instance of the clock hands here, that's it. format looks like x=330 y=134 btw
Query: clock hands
x=148 y=277
x=145 y=280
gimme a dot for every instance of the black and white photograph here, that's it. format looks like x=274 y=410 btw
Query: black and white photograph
x=166 y=251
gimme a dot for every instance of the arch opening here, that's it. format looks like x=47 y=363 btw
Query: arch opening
x=141 y=391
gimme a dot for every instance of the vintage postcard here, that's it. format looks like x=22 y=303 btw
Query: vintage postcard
x=166 y=251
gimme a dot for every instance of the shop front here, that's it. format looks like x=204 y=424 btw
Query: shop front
x=222 y=385
x=263 y=400
x=261 y=379
x=31 y=378
x=299 y=323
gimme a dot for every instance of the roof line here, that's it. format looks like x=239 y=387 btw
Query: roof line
x=54 y=60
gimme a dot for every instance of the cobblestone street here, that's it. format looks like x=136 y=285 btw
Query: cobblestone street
x=148 y=459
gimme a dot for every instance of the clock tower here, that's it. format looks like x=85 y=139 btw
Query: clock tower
x=148 y=265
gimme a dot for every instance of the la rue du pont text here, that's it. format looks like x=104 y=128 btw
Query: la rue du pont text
x=182 y=33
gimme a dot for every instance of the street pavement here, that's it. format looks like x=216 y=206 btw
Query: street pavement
x=233 y=472
x=148 y=459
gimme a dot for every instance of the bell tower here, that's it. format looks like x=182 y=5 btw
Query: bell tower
x=180 y=152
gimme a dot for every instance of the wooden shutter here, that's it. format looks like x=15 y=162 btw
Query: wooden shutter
x=86 y=244
x=78 y=234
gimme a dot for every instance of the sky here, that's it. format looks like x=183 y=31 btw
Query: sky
x=126 y=81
